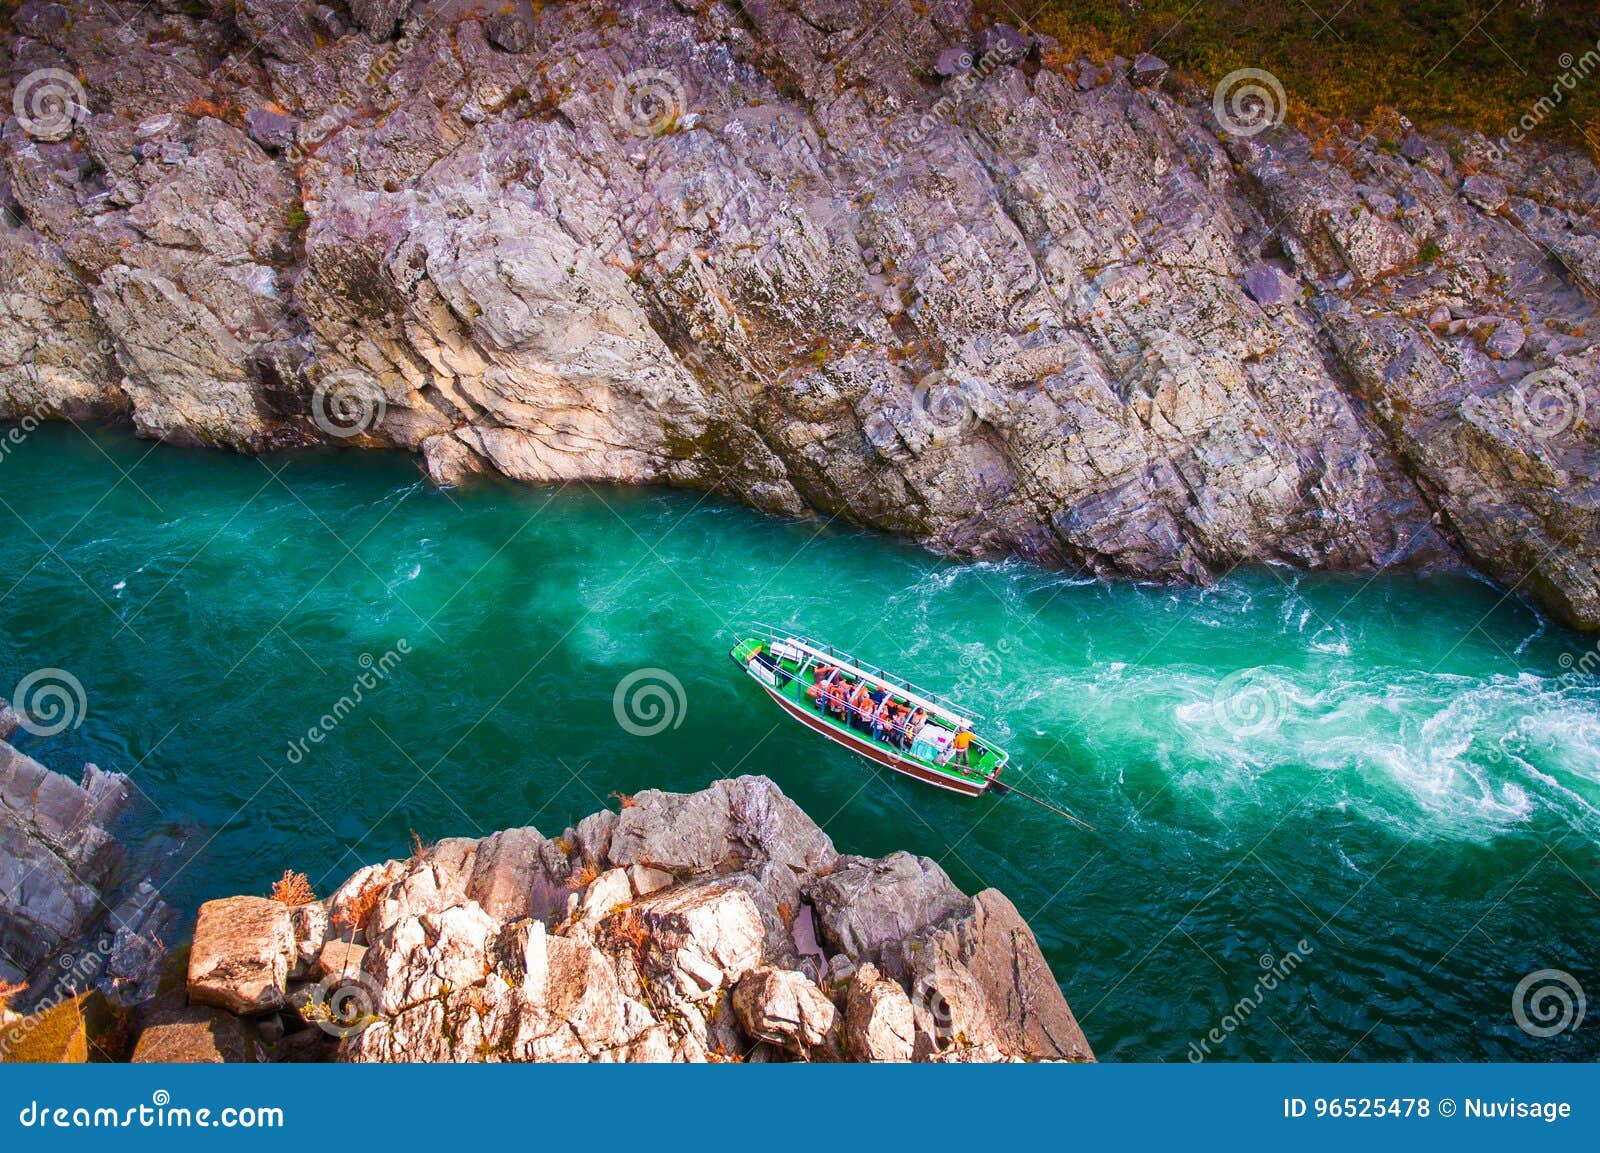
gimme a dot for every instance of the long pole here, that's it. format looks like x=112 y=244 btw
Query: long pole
x=995 y=780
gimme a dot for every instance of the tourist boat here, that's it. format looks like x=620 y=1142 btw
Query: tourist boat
x=785 y=665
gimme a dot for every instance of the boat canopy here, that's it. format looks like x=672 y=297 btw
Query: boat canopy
x=847 y=664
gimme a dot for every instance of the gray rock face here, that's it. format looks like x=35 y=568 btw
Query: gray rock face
x=979 y=985
x=67 y=920
x=377 y=18
x=636 y=965
x=509 y=32
x=734 y=825
x=270 y=129
x=1148 y=69
x=865 y=904
x=999 y=308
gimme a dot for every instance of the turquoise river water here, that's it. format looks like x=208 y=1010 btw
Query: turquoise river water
x=1384 y=791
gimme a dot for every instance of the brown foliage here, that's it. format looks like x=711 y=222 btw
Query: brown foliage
x=201 y=107
x=626 y=932
x=358 y=910
x=624 y=800
x=292 y=889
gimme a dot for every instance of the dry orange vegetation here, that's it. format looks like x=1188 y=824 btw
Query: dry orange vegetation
x=1438 y=61
x=292 y=889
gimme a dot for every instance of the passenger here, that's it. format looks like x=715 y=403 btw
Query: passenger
x=819 y=685
x=861 y=706
x=902 y=725
x=883 y=720
x=914 y=726
x=839 y=697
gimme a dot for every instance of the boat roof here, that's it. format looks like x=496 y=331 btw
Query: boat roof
x=946 y=711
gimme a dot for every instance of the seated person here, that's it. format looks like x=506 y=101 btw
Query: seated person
x=914 y=726
x=861 y=706
x=819 y=684
x=839 y=697
x=883 y=719
x=902 y=725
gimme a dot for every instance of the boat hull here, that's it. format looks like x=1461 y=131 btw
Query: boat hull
x=875 y=752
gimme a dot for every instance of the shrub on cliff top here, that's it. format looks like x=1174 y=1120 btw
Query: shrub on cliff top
x=292 y=889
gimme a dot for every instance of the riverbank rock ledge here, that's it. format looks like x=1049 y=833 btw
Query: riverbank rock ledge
x=714 y=926
x=71 y=919
x=894 y=263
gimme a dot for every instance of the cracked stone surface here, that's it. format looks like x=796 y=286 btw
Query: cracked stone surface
x=867 y=260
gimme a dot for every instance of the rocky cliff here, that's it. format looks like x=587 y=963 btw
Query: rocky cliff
x=887 y=261
x=713 y=926
x=71 y=919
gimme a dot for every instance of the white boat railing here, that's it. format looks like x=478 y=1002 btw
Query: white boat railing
x=935 y=704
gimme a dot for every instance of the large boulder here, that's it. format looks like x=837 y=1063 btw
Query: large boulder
x=403 y=962
x=785 y=1008
x=865 y=904
x=62 y=883
x=878 y=1022
x=732 y=825
x=243 y=950
x=422 y=955
x=979 y=981
x=512 y=877
x=702 y=938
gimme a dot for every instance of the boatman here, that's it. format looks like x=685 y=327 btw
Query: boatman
x=962 y=741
